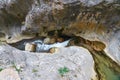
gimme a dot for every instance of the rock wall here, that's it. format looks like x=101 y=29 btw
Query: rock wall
x=91 y=19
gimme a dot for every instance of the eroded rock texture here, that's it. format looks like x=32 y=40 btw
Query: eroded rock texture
x=91 y=19
x=45 y=66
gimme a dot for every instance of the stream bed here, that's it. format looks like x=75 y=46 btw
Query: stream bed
x=106 y=68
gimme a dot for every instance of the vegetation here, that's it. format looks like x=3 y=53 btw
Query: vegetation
x=1 y=69
x=63 y=71
x=34 y=70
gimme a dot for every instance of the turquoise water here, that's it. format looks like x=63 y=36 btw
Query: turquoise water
x=109 y=73
x=106 y=67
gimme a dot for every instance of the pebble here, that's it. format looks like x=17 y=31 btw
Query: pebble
x=53 y=50
x=50 y=40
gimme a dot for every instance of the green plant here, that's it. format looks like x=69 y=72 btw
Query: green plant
x=63 y=71
x=34 y=70
x=1 y=69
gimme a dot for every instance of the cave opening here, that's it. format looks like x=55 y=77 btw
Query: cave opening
x=42 y=43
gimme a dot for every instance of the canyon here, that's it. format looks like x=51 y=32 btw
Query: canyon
x=91 y=26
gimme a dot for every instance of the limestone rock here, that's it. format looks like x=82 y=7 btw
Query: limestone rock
x=52 y=40
x=98 y=46
x=41 y=66
x=46 y=41
x=30 y=47
x=60 y=39
x=9 y=74
x=39 y=16
x=92 y=19
x=96 y=20
x=113 y=47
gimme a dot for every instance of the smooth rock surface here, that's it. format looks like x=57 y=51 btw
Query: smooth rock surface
x=113 y=47
x=9 y=74
x=43 y=66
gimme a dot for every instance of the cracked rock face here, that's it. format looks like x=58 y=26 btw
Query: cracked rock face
x=92 y=19
x=41 y=16
x=44 y=66
x=96 y=20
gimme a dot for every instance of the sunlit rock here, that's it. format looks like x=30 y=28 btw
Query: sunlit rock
x=46 y=40
x=94 y=20
x=9 y=74
x=113 y=47
x=30 y=47
x=43 y=66
x=53 y=50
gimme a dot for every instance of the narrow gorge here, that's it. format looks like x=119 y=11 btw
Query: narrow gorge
x=59 y=40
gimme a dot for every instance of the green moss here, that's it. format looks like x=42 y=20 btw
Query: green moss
x=1 y=69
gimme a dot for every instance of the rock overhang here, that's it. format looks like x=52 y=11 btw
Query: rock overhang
x=94 y=20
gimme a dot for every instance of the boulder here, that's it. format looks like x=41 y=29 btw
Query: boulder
x=96 y=20
x=44 y=66
x=30 y=47
x=9 y=74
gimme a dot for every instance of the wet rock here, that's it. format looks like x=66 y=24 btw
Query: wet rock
x=46 y=41
x=79 y=41
x=60 y=39
x=98 y=46
x=52 y=40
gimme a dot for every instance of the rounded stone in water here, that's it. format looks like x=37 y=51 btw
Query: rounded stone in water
x=30 y=47
x=46 y=40
x=53 y=50
x=60 y=39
